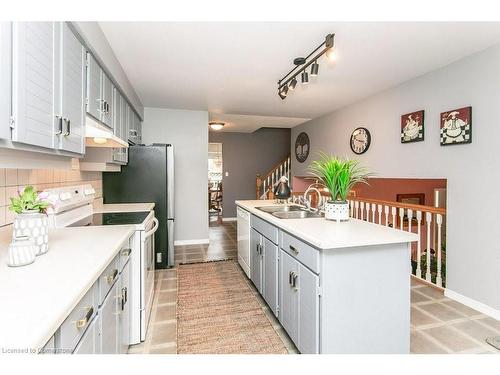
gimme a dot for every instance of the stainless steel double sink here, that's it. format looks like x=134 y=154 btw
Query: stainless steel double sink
x=289 y=212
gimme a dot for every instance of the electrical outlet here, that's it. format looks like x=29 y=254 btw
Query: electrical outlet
x=158 y=257
x=227 y=174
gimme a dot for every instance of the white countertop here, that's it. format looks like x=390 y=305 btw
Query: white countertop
x=37 y=298
x=326 y=234
x=124 y=207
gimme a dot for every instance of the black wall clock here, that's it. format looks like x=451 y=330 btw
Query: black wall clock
x=360 y=140
x=302 y=147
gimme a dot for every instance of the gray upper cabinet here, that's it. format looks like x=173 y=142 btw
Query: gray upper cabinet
x=48 y=86
x=100 y=90
x=107 y=96
x=33 y=83
x=117 y=113
x=5 y=78
x=94 y=100
x=70 y=126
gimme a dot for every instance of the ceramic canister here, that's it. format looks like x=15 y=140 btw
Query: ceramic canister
x=21 y=251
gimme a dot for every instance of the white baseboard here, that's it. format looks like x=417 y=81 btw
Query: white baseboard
x=473 y=304
x=229 y=219
x=202 y=241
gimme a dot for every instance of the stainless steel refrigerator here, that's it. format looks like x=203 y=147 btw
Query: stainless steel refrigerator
x=148 y=177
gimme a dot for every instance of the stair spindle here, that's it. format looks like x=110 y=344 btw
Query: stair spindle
x=439 y=278
x=428 y=220
x=419 y=245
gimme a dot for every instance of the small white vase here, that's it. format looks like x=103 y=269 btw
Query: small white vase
x=21 y=252
x=337 y=211
x=33 y=224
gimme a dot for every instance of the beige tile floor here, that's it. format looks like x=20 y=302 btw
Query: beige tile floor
x=438 y=324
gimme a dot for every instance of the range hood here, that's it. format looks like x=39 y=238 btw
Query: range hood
x=97 y=135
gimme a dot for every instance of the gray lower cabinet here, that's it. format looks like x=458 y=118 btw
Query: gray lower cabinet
x=288 y=280
x=270 y=274
x=256 y=259
x=108 y=321
x=124 y=310
x=264 y=268
x=89 y=344
x=299 y=306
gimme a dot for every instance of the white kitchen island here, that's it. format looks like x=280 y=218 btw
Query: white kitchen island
x=335 y=287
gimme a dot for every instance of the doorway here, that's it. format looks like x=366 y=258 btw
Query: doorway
x=215 y=191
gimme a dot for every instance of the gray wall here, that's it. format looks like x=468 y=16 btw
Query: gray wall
x=93 y=36
x=472 y=171
x=243 y=156
x=188 y=132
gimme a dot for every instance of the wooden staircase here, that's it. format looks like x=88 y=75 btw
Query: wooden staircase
x=264 y=185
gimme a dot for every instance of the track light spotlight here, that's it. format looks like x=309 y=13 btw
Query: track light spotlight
x=283 y=91
x=293 y=83
x=304 y=77
x=314 y=69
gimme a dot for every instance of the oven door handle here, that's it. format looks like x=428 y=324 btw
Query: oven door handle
x=152 y=230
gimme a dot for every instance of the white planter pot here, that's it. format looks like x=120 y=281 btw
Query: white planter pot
x=337 y=211
x=34 y=225
x=21 y=252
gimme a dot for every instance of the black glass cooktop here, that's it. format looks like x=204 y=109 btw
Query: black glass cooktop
x=112 y=218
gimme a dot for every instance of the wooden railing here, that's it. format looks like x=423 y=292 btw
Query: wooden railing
x=264 y=185
x=428 y=255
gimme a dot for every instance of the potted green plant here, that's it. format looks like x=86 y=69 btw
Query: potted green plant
x=338 y=175
x=31 y=219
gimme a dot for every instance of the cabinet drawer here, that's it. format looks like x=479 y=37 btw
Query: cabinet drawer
x=304 y=253
x=108 y=278
x=263 y=227
x=77 y=321
x=125 y=253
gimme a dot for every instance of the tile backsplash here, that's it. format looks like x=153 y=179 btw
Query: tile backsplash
x=14 y=180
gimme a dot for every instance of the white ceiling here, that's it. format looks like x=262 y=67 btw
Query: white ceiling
x=232 y=68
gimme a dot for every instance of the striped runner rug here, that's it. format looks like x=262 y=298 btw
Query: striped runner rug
x=217 y=313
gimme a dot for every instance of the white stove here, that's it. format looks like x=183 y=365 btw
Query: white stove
x=72 y=207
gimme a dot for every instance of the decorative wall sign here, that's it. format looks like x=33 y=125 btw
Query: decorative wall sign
x=360 y=140
x=412 y=127
x=302 y=147
x=456 y=126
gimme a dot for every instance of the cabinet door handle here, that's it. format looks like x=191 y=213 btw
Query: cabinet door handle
x=124 y=297
x=112 y=277
x=83 y=322
x=67 y=122
x=290 y=277
x=126 y=252
x=59 y=120
x=257 y=248
x=295 y=251
x=294 y=281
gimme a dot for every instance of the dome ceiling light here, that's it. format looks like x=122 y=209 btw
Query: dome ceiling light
x=216 y=125
x=289 y=81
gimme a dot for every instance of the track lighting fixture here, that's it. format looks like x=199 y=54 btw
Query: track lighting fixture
x=289 y=81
